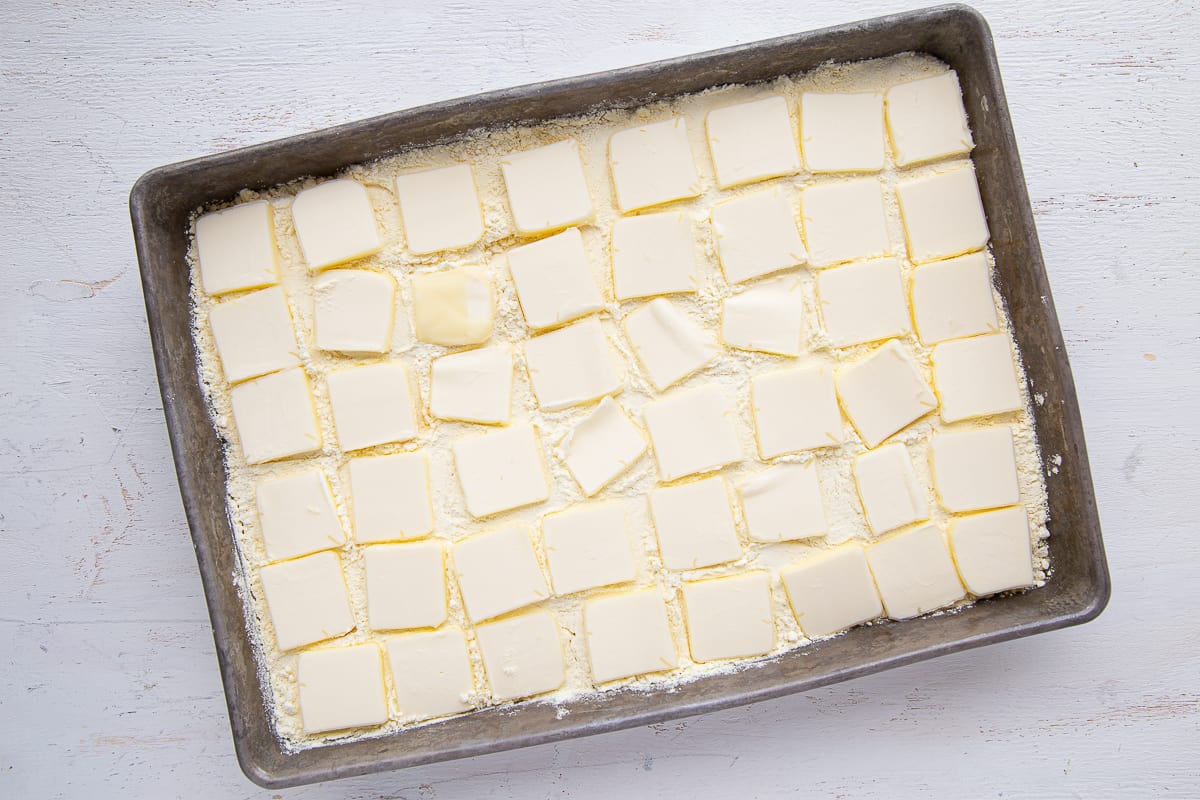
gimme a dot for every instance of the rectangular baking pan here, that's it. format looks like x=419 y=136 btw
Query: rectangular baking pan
x=1078 y=588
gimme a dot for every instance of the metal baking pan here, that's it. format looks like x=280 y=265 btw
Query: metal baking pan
x=1078 y=587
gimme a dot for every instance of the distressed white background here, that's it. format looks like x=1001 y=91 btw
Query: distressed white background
x=108 y=681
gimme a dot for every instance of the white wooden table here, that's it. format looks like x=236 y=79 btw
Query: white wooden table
x=108 y=683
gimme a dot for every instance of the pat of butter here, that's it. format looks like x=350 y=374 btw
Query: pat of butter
x=757 y=234
x=628 y=634
x=927 y=120
x=993 y=550
x=883 y=393
x=235 y=248
x=888 y=487
x=307 y=600
x=694 y=524
x=274 y=416
x=794 y=410
x=692 y=431
x=296 y=514
x=668 y=344
x=546 y=187
x=652 y=164
x=498 y=572
x=335 y=223
x=522 y=655
x=653 y=254
x=341 y=687
x=571 y=365
x=554 y=280
x=431 y=672
x=253 y=334
x=752 y=141
x=603 y=445
x=914 y=572
x=729 y=617
x=453 y=307
x=768 y=317
x=976 y=377
x=473 y=386
x=863 y=302
x=844 y=221
x=440 y=209
x=832 y=591
x=943 y=214
x=975 y=469
x=389 y=497
x=500 y=471
x=406 y=585
x=371 y=405
x=842 y=132
x=952 y=299
x=353 y=311
x=783 y=503
x=587 y=546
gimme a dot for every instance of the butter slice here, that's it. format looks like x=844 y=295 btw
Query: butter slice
x=307 y=600
x=473 y=386
x=844 y=221
x=652 y=164
x=522 y=655
x=454 y=307
x=274 y=416
x=431 y=671
x=571 y=365
x=694 y=524
x=668 y=344
x=863 y=302
x=730 y=617
x=976 y=377
x=832 y=591
x=353 y=311
x=692 y=431
x=554 y=280
x=546 y=186
x=628 y=634
x=603 y=445
x=842 y=132
x=371 y=405
x=993 y=550
x=914 y=572
x=296 y=514
x=783 y=503
x=587 y=546
x=795 y=410
x=335 y=223
x=757 y=234
x=768 y=317
x=943 y=214
x=752 y=141
x=975 y=469
x=653 y=254
x=341 y=687
x=235 y=248
x=952 y=299
x=500 y=471
x=440 y=209
x=406 y=585
x=884 y=393
x=389 y=497
x=927 y=120
x=254 y=335
x=891 y=494
x=498 y=572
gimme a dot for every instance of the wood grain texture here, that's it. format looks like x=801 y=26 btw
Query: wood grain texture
x=109 y=684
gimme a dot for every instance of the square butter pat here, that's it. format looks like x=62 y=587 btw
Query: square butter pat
x=891 y=493
x=943 y=214
x=783 y=503
x=975 y=469
x=440 y=209
x=832 y=591
x=927 y=120
x=371 y=405
x=473 y=386
x=844 y=221
x=296 y=514
x=757 y=234
x=235 y=248
x=353 y=311
x=652 y=164
x=952 y=299
x=406 y=585
x=752 y=141
x=976 y=377
x=341 y=687
x=730 y=617
x=653 y=254
x=914 y=572
x=993 y=550
x=587 y=546
x=335 y=223
x=431 y=672
x=694 y=524
x=603 y=445
x=571 y=365
x=500 y=471
x=842 y=132
x=274 y=417
x=628 y=634
x=554 y=280
x=453 y=307
x=522 y=655
x=768 y=317
x=794 y=410
x=547 y=188
x=692 y=431
x=307 y=600
x=668 y=344
x=253 y=334
x=863 y=302
x=389 y=497
x=884 y=393
x=497 y=573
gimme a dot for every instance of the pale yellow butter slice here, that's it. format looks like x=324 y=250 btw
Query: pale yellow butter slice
x=783 y=503
x=692 y=431
x=372 y=405
x=353 y=311
x=571 y=365
x=235 y=248
x=927 y=120
x=335 y=223
x=668 y=344
x=863 y=302
x=842 y=132
x=975 y=470
x=453 y=307
x=653 y=254
x=547 y=188
x=498 y=572
x=406 y=585
x=554 y=280
x=587 y=546
x=844 y=221
x=341 y=687
x=884 y=393
x=500 y=471
x=993 y=550
x=795 y=410
x=603 y=445
x=952 y=299
x=694 y=524
x=976 y=377
x=522 y=655
x=832 y=591
x=431 y=672
x=757 y=234
x=389 y=497
x=440 y=209
x=296 y=514
x=943 y=214
x=730 y=617
x=628 y=634
x=767 y=317
x=914 y=572
x=307 y=600
x=891 y=494
x=752 y=141
x=253 y=334
x=652 y=164
x=473 y=386
x=274 y=416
